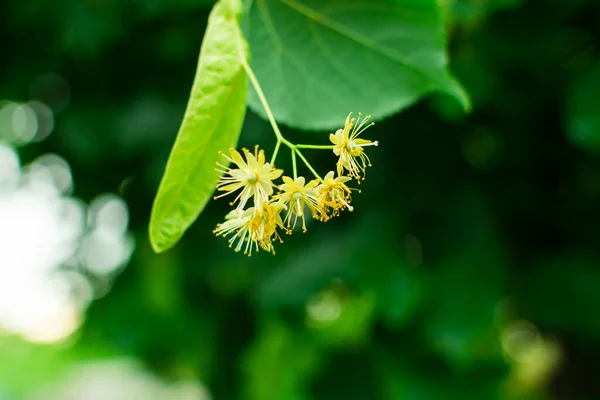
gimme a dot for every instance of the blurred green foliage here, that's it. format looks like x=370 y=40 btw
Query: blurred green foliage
x=465 y=225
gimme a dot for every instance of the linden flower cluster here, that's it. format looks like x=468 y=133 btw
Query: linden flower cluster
x=263 y=207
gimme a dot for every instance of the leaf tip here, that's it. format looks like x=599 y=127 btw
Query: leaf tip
x=158 y=240
x=155 y=243
x=155 y=246
x=459 y=93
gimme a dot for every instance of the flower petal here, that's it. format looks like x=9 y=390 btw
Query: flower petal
x=237 y=158
x=276 y=173
x=312 y=184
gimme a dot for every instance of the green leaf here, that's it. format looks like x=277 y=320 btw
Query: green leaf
x=212 y=123
x=318 y=60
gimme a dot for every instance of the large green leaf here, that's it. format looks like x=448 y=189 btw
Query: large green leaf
x=212 y=122
x=318 y=60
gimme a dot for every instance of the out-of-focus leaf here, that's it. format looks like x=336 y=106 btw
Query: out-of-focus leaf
x=212 y=122
x=347 y=375
x=396 y=283
x=318 y=60
x=556 y=287
x=474 y=12
x=278 y=365
x=462 y=325
x=402 y=376
x=349 y=324
x=301 y=276
x=25 y=365
x=583 y=126
x=399 y=293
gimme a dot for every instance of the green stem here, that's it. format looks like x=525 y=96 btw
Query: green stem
x=275 y=152
x=294 y=168
x=314 y=147
x=308 y=165
x=280 y=139
x=262 y=99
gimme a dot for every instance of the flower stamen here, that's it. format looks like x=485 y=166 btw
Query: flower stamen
x=349 y=147
x=253 y=176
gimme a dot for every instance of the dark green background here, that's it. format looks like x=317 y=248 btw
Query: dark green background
x=465 y=224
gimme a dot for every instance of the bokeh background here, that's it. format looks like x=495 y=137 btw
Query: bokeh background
x=470 y=268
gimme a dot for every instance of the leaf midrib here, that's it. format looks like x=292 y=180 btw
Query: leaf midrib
x=283 y=50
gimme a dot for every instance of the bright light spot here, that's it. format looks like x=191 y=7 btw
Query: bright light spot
x=24 y=122
x=118 y=380
x=518 y=338
x=73 y=212
x=324 y=308
x=107 y=246
x=44 y=237
x=109 y=212
x=34 y=239
x=32 y=220
x=534 y=358
x=103 y=251
x=80 y=287
x=18 y=123
x=56 y=169
x=45 y=118
x=58 y=325
x=9 y=168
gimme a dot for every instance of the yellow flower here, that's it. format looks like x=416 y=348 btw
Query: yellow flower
x=254 y=176
x=264 y=225
x=348 y=146
x=252 y=228
x=334 y=195
x=295 y=195
x=238 y=222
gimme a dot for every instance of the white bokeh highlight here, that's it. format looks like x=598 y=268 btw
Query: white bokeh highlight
x=49 y=242
x=120 y=379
